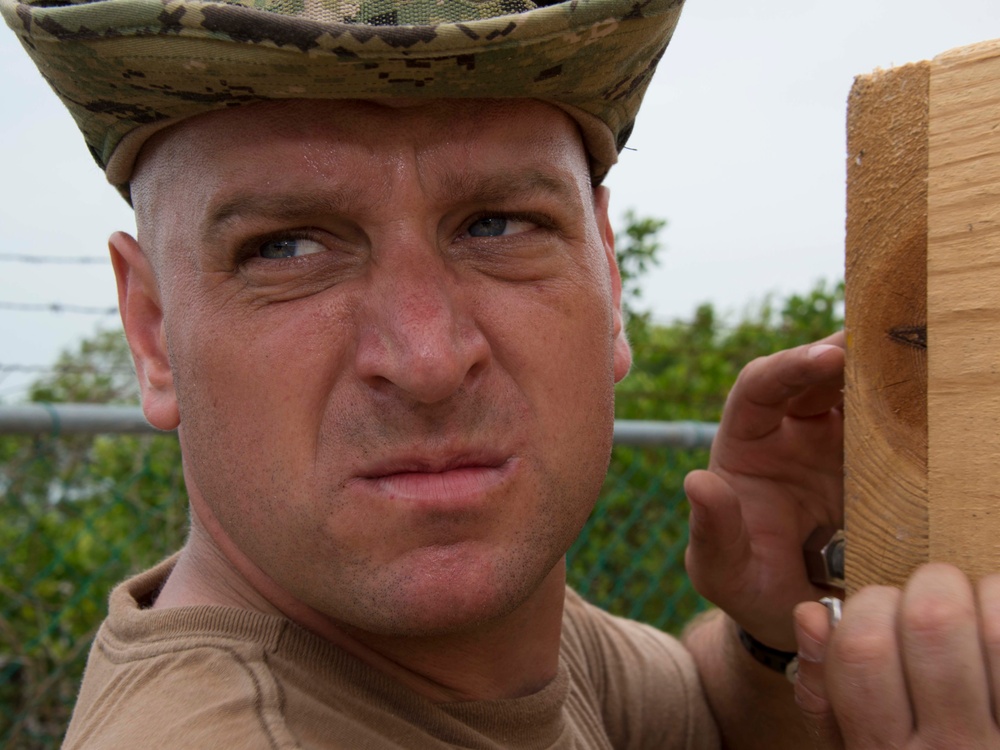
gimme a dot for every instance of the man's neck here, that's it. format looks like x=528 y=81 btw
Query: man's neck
x=513 y=656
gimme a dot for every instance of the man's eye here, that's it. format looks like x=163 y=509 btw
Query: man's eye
x=290 y=247
x=497 y=226
x=491 y=226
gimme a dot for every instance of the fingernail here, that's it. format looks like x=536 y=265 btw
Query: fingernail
x=817 y=351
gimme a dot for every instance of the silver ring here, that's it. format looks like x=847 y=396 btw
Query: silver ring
x=835 y=607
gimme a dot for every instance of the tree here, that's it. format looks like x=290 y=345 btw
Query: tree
x=100 y=371
x=637 y=249
x=79 y=513
x=629 y=558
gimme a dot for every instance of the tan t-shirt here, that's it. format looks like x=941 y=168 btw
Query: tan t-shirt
x=217 y=677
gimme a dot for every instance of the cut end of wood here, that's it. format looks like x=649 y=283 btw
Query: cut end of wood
x=877 y=75
x=885 y=318
x=922 y=396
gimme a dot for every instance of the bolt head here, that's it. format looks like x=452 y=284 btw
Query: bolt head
x=824 y=557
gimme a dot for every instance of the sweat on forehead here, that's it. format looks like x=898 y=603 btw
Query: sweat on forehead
x=319 y=133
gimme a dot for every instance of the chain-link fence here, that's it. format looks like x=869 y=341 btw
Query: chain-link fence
x=83 y=511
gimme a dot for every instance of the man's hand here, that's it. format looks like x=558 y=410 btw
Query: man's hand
x=776 y=473
x=917 y=669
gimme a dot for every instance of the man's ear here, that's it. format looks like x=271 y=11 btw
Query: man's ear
x=142 y=316
x=622 y=351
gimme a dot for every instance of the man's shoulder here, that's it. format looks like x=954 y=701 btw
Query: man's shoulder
x=588 y=627
x=175 y=668
x=188 y=696
x=218 y=677
x=645 y=680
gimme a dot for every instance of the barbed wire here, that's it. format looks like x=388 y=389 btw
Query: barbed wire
x=60 y=259
x=57 y=307
x=26 y=368
x=69 y=369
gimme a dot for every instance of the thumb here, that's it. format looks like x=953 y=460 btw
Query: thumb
x=718 y=544
x=812 y=633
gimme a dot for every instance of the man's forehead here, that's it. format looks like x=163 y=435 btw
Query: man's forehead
x=484 y=129
x=236 y=158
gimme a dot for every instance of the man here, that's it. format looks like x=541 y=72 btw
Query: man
x=374 y=289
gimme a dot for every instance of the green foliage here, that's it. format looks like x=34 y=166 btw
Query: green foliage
x=99 y=372
x=636 y=250
x=683 y=370
x=79 y=513
x=629 y=557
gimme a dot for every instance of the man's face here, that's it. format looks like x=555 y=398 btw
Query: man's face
x=392 y=335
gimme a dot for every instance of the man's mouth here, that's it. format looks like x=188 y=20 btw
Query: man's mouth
x=446 y=481
x=433 y=465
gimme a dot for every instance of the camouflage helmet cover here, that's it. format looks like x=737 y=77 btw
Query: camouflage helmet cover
x=127 y=68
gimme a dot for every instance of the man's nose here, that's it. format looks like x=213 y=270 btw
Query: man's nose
x=420 y=334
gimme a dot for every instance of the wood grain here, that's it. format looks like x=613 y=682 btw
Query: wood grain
x=963 y=262
x=886 y=514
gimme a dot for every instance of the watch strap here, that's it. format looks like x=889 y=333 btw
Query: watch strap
x=771 y=658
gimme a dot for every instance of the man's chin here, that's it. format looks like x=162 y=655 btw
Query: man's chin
x=450 y=600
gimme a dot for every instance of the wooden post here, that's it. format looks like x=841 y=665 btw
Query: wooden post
x=922 y=435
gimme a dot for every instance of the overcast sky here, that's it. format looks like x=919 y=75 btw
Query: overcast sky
x=740 y=146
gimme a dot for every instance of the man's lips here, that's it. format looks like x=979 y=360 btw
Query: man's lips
x=438 y=480
x=433 y=465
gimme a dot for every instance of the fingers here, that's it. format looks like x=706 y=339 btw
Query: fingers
x=719 y=549
x=721 y=563
x=988 y=592
x=718 y=542
x=944 y=659
x=812 y=633
x=864 y=672
x=803 y=382
x=837 y=338
x=818 y=399
x=908 y=668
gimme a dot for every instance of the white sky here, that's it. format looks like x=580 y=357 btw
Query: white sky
x=740 y=145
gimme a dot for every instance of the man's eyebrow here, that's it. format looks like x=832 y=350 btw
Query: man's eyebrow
x=501 y=186
x=290 y=206
x=488 y=188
